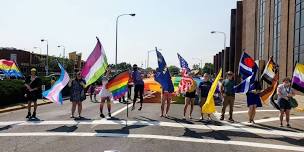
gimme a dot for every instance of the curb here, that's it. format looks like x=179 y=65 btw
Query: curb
x=22 y=106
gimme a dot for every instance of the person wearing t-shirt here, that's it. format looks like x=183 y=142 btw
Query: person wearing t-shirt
x=33 y=91
x=204 y=88
x=228 y=92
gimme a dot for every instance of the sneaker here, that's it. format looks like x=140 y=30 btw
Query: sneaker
x=222 y=118
x=281 y=125
x=184 y=117
x=231 y=120
x=190 y=117
x=161 y=115
x=109 y=114
x=139 y=108
x=201 y=118
x=288 y=125
x=28 y=115
x=72 y=117
x=102 y=115
x=166 y=115
x=34 y=115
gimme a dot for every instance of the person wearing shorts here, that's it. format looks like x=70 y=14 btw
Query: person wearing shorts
x=33 y=87
x=189 y=100
x=285 y=92
x=204 y=88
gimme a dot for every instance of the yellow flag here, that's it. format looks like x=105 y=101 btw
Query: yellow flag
x=209 y=106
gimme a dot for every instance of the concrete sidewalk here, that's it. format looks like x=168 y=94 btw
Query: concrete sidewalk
x=19 y=106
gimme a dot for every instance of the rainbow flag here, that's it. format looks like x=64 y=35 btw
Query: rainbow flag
x=9 y=68
x=298 y=78
x=118 y=85
x=96 y=64
x=54 y=94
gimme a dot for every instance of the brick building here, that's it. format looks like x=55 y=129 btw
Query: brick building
x=266 y=28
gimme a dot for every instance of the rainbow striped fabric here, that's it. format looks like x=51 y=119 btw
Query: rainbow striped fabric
x=118 y=85
x=9 y=68
x=96 y=65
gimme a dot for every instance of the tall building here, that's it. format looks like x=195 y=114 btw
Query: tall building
x=268 y=28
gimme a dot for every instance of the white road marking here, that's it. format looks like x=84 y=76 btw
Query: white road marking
x=162 y=124
x=160 y=137
x=114 y=114
x=273 y=119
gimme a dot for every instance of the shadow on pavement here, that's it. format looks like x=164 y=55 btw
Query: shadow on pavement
x=179 y=120
x=5 y=127
x=218 y=135
x=124 y=130
x=143 y=118
x=64 y=129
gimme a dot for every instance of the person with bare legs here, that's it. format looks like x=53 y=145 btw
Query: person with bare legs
x=33 y=86
x=77 y=94
x=285 y=92
x=105 y=95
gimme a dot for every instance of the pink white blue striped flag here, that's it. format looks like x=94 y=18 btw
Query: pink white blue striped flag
x=54 y=94
x=95 y=65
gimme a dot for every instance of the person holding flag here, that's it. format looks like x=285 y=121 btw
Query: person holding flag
x=227 y=90
x=33 y=87
x=253 y=101
x=105 y=94
x=204 y=88
x=163 y=77
x=138 y=86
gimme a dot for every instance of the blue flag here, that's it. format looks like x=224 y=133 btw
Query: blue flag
x=247 y=66
x=162 y=75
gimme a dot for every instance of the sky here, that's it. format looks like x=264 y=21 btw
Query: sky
x=173 y=26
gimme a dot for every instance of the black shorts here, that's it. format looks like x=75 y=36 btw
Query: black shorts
x=190 y=94
x=284 y=104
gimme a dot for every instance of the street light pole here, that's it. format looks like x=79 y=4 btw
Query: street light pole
x=201 y=61
x=214 y=32
x=117 y=34
x=63 y=54
x=47 y=56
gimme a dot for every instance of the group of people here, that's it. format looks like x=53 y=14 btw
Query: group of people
x=225 y=89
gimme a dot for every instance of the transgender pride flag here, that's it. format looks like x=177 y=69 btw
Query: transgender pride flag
x=298 y=78
x=54 y=94
x=95 y=65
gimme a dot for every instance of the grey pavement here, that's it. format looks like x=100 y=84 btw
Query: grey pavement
x=147 y=131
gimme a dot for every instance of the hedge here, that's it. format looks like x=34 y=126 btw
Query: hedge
x=12 y=91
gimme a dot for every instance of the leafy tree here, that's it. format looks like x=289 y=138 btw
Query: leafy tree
x=208 y=68
x=174 y=71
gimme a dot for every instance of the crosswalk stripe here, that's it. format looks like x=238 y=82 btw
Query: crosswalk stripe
x=160 y=137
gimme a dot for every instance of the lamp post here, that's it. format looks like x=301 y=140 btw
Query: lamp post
x=63 y=54
x=219 y=32
x=201 y=61
x=117 y=33
x=47 y=56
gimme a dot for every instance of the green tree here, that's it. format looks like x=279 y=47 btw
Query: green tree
x=208 y=68
x=174 y=70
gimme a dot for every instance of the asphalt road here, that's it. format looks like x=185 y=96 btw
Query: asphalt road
x=146 y=131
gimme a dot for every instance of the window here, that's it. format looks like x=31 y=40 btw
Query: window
x=276 y=31
x=299 y=33
x=261 y=28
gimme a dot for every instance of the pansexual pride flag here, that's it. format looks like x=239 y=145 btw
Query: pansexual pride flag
x=118 y=85
x=96 y=65
x=298 y=78
x=54 y=94
x=9 y=68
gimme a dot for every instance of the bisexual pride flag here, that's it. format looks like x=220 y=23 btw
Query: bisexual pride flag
x=54 y=94
x=298 y=78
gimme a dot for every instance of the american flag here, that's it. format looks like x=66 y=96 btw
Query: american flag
x=186 y=81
